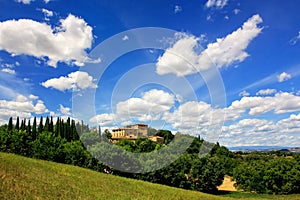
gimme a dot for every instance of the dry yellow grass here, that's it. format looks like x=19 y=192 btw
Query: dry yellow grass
x=227 y=185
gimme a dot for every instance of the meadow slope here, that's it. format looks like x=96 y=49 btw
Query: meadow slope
x=26 y=178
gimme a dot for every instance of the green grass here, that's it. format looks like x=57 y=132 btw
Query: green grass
x=25 y=178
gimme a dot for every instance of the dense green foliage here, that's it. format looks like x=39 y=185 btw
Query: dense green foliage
x=277 y=175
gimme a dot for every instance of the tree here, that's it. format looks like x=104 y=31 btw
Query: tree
x=23 y=125
x=206 y=174
x=28 y=129
x=10 y=125
x=47 y=125
x=18 y=123
x=57 y=128
x=34 y=129
x=275 y=176
x=107 y=134
x=166 y=134
x=51 y=127
x=41 y=126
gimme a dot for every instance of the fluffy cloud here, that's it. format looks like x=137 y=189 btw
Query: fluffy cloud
x=103 y=119
x=150 y=106
x=152 y=103
x=231 y=48
x=64 y=110
x=281 y=103
x=75 y=81
x=24 y=1
x=283 y=77
x=64 y=43
x=189 y=115
x=47 y=13
x=264 y=132
x=216 y=3
x=7 y=70
x=266 y=92
x=182 y=59
x=21 y=106
x=33 y=97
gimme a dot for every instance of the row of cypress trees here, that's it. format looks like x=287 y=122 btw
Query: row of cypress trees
x=64 y=129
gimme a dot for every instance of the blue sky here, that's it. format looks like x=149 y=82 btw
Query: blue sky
x=225 y=69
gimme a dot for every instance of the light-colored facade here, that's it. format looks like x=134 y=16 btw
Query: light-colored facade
x=130 y=132
x=142 y=129
x=124 y=133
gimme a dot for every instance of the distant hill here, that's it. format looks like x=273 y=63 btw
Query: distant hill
x=265 y=148
x=25 y=178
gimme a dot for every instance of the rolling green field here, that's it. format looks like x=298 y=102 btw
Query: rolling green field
x=25 y=178
x=36 y=179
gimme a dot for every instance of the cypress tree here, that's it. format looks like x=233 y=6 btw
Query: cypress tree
x=73 y=131
x=41 y=126
x=46 y=127
x=68 y=129
x=23 y=125
x=51 y=125
x=18 y=124
x=34 y=129
x=10 y=125
x=57 y=128
x=28 y=129
x=61 y=128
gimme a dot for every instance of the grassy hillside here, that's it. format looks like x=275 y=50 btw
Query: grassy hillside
x=25 y=178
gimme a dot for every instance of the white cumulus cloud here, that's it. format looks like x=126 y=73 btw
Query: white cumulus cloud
x=150 y=106
x=266 y=92
x=103 y=119
x=152 y=102
x=65 y=43
x=282 y=102
x=225 y=51
x=283 y=77
x=75 y=81
x=21 y=106
x=64 y=110
x=182 y=59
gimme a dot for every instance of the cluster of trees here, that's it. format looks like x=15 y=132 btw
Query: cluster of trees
x=63 y=129
x=271 y=173
x=75 y=143
x=57 y=142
